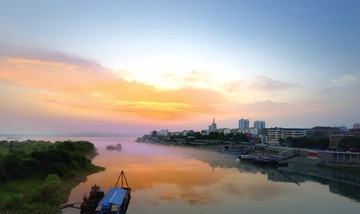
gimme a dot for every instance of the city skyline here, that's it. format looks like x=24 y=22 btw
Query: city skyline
x=136 y=66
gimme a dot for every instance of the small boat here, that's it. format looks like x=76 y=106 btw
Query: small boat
x=115 y=201
x=246 y=158
x=269 y=161
x=13 y=138
x=90 y=203
x=117 y=147
x=262 y=160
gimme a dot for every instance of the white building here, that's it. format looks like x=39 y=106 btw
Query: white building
x=213 y=126
x=163 y=132
x=275 y=135
x=356 y=126
x=226 y=131
x=254 y=131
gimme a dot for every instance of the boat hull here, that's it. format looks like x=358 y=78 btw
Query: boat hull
x=262 y=160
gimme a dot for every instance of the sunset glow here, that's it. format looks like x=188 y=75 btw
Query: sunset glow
x=132 y=66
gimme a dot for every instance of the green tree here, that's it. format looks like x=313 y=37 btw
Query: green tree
x=322 y=143
x=241 y=137
x=350 y=144
x=2 y=170
x=51 y=191
x=12 y=166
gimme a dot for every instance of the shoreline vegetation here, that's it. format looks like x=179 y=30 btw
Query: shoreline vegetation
x=213 y=140
x=37 y=176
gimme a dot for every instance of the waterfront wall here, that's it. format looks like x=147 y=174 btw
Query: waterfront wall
x=313 y=157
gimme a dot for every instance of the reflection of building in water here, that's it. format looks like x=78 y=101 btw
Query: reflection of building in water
x=277 y=176
x=343 y=158
x=342 y=182
x=345 y=189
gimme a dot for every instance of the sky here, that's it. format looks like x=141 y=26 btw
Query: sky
x=132 y=66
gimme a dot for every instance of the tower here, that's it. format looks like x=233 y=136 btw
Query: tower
x=213 y=126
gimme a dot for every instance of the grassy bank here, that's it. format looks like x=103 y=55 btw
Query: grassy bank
x=40 y=196
x=36 y=177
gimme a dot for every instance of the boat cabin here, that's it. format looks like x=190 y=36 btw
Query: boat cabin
x=114 y=202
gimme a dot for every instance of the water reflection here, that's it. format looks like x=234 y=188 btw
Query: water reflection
x=341 y=181
x=169 y=179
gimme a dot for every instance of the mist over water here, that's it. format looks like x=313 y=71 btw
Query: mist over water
x=174 y=179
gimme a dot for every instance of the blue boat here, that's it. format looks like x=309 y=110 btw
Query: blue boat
x=116 y=200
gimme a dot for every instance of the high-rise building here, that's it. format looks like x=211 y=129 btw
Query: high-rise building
x=243 y=123
x=260 y=124
x=213 y=126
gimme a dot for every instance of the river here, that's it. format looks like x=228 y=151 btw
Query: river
x=178 y=180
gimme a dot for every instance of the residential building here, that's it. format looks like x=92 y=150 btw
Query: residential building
x=336 y=138
x=325 y=131
x=260 y=124
x=276 y=135
x=253 y=131
x=243 y=123
x=163 y=132
x=226 y=131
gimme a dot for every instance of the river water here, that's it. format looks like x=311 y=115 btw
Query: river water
x=178 y=180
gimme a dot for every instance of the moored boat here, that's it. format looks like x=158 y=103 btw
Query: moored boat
x=262 y=160
x=90 y=203
x=117 y=199
x=246 y=157
x=116 y=147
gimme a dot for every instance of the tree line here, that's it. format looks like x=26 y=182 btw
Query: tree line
x=39 y=159
x=193 y=135
x=55 y=166
x=321 y=143
x=350 y=144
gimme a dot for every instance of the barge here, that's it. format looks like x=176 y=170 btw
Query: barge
x=262 y=160
x=115 y=201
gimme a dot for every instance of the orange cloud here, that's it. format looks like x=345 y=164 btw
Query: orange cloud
x=61 y=85
x=40 y=62
x=66 y=87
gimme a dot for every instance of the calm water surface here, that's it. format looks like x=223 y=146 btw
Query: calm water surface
x=171 y=179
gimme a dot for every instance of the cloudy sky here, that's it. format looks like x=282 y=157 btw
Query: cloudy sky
x=131 y=66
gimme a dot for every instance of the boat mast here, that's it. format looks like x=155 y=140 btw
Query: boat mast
x=123 y=178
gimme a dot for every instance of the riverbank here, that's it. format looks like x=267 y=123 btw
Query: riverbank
x=37 y=176
x=331 y=159
x=39 y=195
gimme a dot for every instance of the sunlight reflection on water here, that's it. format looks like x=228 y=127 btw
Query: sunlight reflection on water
x=170 y=179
